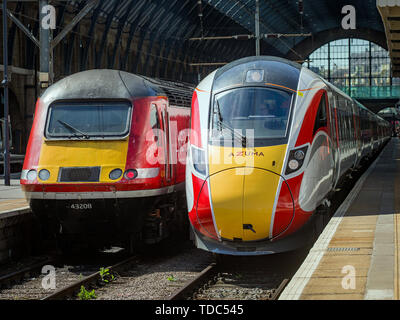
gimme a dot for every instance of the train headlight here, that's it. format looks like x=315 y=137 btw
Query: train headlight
x=299 y=155
x=32 y=175
x=44 y=174
x=296 y=159
x=255 y=76
x=130 y=174
x=293 y=164
x=199 y=160
x=115 y=174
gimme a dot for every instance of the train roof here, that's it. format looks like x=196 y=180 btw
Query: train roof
x=277 y=71
x=114 y=84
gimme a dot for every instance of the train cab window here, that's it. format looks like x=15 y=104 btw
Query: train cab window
x=321 y=120
x=86 y=120
x=265 y=111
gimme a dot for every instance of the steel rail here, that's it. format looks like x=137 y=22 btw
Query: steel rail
x=18 y=275
x=279 y=290
x=72 y=289
x=205 y=275
x=191 y=285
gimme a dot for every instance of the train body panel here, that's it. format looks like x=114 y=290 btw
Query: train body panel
x=260 y=173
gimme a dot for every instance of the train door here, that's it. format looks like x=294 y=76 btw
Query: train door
x=335 y=120
x=167 y=144
x=171 y=135
x=332 y=124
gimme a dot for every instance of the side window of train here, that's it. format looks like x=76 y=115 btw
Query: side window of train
x=321 y=120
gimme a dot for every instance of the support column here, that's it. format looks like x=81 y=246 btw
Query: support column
x=257 y=27
x=6 y=130
x=45 y=71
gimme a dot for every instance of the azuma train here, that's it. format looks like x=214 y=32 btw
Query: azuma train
x=102 y=163
x=270 y=142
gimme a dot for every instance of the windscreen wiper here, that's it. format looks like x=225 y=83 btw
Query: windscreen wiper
x=222 y=123
x=67 y=125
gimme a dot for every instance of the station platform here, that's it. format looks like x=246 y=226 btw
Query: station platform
x=12 y=198
x=356 y=257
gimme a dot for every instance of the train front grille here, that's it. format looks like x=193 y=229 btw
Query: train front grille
x=79 y=174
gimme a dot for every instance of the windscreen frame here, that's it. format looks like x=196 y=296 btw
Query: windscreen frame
x=122 y=136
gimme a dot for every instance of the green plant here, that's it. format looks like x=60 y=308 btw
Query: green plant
x=105 y=275
x=86 y=295
x=171 y=278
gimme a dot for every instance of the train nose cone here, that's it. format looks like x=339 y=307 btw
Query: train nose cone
x=243 y=201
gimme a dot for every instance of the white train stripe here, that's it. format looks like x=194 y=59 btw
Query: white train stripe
x=103 y=195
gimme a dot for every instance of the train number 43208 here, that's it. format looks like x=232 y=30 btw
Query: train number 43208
x=81 y=206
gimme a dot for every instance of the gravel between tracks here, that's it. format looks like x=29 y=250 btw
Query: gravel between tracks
x=156 y=279
x=31 y=288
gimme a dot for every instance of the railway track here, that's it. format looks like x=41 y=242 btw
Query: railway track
x=28 y=282
x=146 y=276
x=71 y=290
x=253 y=278
x=8 y=279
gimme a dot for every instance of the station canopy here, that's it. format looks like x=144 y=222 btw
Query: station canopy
x=197 y=18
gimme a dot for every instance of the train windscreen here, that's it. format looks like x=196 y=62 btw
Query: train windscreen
x=266 y=111
x=88 y=120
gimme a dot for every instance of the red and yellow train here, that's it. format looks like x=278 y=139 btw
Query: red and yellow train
x=102 y=162
x=270 y=142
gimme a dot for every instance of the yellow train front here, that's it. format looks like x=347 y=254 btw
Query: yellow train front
x=99 y=166
x=270 y=141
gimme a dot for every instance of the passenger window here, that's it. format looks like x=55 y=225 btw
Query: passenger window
x=321 y=120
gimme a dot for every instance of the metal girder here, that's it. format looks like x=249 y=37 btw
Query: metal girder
x=11 y=35
x=71 y=43
x=138 y=52
x=142 y=33
x=180 y=52
x=31 y=59
x=160 y=51
x=60 y=17
x=172 y=7
x=168 y=44
x=121 y=26
x=23 y=28
x=84 y=56
x=152 y=39
x=132 y=31
x=82 y=13
x=109 y=21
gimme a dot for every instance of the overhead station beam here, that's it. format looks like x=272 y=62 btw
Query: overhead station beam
x=390 y=13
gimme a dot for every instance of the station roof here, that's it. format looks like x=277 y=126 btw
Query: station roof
x=179 y=19
x=283 y=16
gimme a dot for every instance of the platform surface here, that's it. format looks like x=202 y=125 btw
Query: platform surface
x=357 y=255
x=11 y=198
